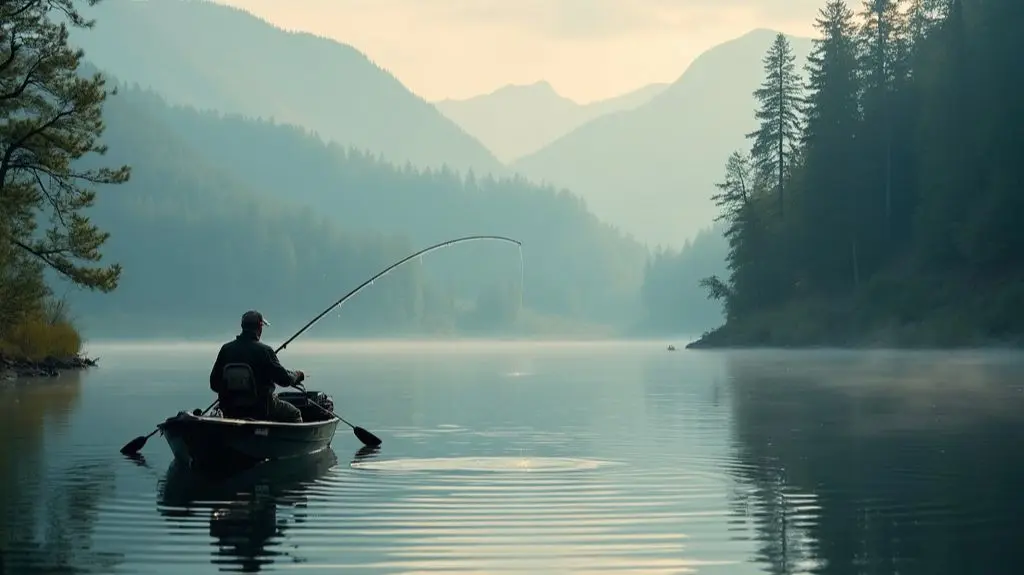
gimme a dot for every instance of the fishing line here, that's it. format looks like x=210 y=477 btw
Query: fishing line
x=522 y=282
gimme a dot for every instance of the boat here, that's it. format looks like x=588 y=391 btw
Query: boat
x=215 y=441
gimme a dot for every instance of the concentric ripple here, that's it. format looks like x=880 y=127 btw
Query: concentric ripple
x=412 y=515
x=537 y=464
x=439 y=519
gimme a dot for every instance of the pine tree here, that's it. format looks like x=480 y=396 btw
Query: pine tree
x=946 y=136
x=50 y=119
x=884 y=66
x=739 y=210
x=778 y=111
x=829 y=203
x=923 y=18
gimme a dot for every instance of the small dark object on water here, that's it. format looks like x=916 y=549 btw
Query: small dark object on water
x=671 y=347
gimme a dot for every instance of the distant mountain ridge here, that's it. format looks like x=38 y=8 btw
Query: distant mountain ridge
x=516 y=120
x=651 y=170
x=203 y=54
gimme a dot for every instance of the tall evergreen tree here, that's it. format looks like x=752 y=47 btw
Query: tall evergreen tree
x=884 y=62
x=51 y=117
x=923 y=17
x=829 y=202
x=947 y=137
x=738 y=198
x=993 y=235
x=778 y=100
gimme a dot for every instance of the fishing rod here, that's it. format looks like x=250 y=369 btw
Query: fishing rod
x=135 y=445
x=388 y=269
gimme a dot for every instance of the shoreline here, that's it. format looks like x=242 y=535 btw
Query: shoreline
x=948 y=317
x=701 y=345
x=12 y=368
x=902 y=338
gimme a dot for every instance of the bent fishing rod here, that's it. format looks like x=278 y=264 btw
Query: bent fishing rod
x=135 y=445
x=387 y=270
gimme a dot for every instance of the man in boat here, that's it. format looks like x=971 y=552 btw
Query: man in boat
x=244 y=374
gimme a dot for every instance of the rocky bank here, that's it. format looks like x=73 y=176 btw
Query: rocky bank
x=13 y=368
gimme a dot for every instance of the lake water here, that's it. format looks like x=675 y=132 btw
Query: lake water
x=538 y=458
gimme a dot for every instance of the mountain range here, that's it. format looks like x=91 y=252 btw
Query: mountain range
x=645 y=162
x=216 y=57
x=515 y=120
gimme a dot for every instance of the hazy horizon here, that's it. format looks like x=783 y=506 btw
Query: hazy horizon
x=315 y=345
x=588 y=52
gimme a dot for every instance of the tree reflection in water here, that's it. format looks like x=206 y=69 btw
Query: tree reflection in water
x=908 y=463
x=243 y=507
x=49 y=502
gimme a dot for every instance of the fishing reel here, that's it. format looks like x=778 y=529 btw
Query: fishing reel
x=320 y=398
x=317 y=397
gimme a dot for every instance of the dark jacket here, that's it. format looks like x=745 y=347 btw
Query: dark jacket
x=247 y=348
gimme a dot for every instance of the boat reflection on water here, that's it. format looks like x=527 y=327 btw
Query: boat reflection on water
x=243 y=507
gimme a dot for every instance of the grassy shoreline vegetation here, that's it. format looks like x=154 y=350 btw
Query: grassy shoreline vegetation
x=880 y=202
x=52 y=117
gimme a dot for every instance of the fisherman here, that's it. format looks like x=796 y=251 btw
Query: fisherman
x=244 y=374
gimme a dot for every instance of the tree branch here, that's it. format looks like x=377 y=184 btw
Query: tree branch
x=20 y=143
x=25 y=83
x=14 y=47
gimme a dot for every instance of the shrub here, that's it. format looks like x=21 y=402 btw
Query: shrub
x=47 y=332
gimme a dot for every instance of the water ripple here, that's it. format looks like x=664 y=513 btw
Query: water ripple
x=664 y=473
x=426 y=515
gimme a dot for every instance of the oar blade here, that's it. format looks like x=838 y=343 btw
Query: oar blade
x=368 y=439
x=134 y=446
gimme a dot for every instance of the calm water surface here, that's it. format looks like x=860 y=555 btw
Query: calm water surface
x=538 y=459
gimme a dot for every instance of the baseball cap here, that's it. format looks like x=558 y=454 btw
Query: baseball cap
x=253 y=318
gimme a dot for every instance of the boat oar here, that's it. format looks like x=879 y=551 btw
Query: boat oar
x=368 y=439
x=363 y=435
x=134 y=446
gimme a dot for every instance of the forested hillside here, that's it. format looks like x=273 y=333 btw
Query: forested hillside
x=674 y=302
x=216 y=205
x=575 y=264
x=196 y=246
x=891 y=212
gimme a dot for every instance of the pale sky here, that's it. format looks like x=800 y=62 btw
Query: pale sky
x=587 y=49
